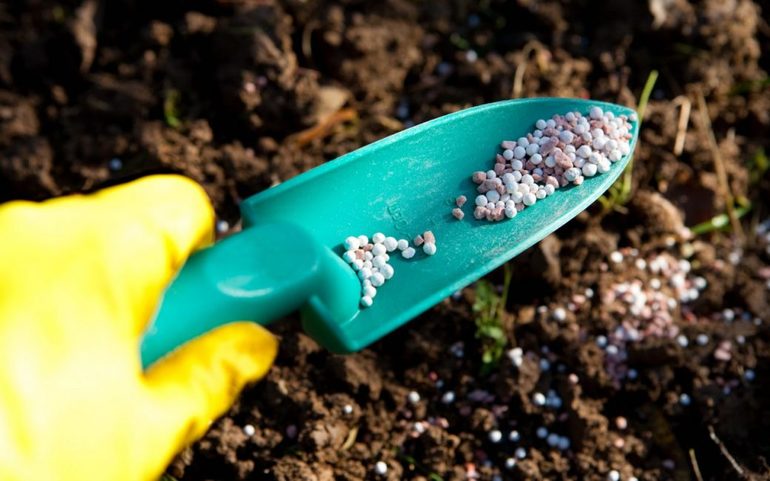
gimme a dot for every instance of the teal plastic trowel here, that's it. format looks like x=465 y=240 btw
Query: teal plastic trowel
x=288 y=255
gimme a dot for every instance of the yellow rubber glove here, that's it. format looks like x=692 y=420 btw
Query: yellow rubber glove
x=80 y=277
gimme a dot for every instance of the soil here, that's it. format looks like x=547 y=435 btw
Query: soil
x=243 y=94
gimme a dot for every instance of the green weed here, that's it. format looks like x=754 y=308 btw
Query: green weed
x=749 y=86
x=620 y=193
x=758 y=166
x=171 y=108
x=409 y=460
x=459 y=41
x=489 y=310
x=720 y=222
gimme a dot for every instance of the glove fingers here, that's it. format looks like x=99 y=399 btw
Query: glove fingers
x=122 y=245
x=197 y=383
x=160 y=221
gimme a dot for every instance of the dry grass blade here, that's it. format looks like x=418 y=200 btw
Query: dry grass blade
x=350 y=440
x=685 y=106
x=518 y=76
x=307 y=39
x=719 y=165
x=737 y=467
x=695 y=467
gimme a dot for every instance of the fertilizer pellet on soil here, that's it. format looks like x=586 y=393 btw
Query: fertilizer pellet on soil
x=560 y=151
x=381 y=468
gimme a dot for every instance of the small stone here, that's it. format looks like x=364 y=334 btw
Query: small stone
x=249 y=430
x=413 y=397
x=495 y=436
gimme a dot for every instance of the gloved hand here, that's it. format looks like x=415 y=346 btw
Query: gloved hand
x=80 y=277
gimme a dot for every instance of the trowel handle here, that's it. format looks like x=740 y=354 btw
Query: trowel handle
x=259 y=274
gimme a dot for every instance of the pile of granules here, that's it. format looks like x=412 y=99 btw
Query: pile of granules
x=646 y=309
x=371 y=259
x=560 y=151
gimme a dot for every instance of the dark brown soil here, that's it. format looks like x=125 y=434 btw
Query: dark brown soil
x=242 y=94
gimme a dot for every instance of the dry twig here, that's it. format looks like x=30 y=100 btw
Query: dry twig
x=325 y=126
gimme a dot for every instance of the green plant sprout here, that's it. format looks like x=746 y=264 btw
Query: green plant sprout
x=758 y=166
x=489 y=309
x=720 y=222
x=432 y=476
x=750 y=86
x=620 y=193
x=171 y=108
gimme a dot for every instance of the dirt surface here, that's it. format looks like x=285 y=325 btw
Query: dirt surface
x=240 y=95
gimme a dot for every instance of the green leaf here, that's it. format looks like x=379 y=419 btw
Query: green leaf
x=171 y=109
x=758 y=165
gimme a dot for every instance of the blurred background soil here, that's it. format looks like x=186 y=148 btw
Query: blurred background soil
x=243 y=94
